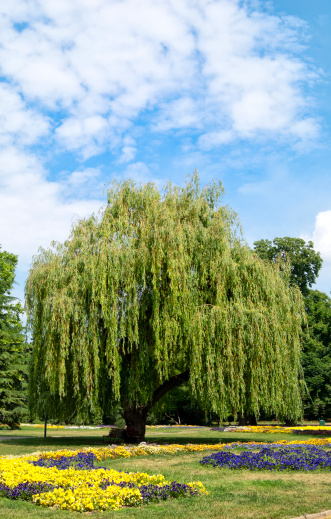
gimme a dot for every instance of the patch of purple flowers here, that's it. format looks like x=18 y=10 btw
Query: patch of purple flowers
x=80 y=461
x=154 y=493
x=303 y=457
x=25 y=490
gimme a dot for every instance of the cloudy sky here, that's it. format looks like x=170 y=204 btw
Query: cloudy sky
x=92 y=90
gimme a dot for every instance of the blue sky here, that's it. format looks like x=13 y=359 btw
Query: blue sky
x=92 y=90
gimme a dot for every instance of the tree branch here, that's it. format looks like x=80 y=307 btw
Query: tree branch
x=172 y=382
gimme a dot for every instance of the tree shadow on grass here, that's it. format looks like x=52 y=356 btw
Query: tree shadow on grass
x=64 y=441
x=209 y=440
x=226 y=438
x=97 y=441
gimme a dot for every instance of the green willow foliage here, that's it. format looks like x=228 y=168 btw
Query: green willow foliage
x=154 y=286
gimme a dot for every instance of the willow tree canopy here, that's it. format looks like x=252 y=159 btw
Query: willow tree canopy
x=158 y=287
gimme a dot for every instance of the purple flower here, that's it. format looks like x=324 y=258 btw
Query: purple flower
x=277 y=457
x=25 y=491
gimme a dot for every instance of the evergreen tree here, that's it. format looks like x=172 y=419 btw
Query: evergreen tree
x=13 y=351
x=158 y=290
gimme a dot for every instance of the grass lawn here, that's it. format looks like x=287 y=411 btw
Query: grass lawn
x=232 y=494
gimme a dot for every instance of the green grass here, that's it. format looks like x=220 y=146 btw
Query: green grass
x=232 y=494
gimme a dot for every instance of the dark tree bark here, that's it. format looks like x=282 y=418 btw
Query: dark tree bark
x=246 y=419
x=252 y=419
x=291 y=423
x=242 y=419
x=135 y=421
x=135 y=414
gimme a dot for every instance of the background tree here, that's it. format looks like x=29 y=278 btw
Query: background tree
x=158 y=290
x=316 y=355
x=305 y=264
x=13 y=350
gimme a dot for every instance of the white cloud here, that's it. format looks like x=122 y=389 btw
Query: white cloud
x=142 y=173
x=82 y=76
x=321 y=236
x=306 y=129
x=128 y=153
x=252 y=80
x=33 y=211
x=82 y=176
x=129 y=149
x=210 y=140
x=19 y=124
x=82 y=183
x=86 y=134
x=218 y=66
x=181 y=113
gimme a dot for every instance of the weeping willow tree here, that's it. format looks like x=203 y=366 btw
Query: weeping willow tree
x=157 y=290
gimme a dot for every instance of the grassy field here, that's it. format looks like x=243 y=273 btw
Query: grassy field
x=232 y=494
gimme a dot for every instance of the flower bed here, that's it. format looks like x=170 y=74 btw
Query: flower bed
x=52 y=426
x=175 y=426
x=303 y=457
x=124 y=451
x=144 y=449
x=276 y=429
x=69 y=479
x=74 y=482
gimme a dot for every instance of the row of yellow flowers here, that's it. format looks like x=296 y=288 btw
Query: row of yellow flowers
x=173 y=426
x=85 y=498
x=41 y=426
x=273 y=429
x=109 y=452
x=121 y=451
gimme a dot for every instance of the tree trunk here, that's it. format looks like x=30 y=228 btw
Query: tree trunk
x=135 y=415
x=242 y=419
x=289 y=422
x=135 y=420
x=246 y=419
x=252 y=419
